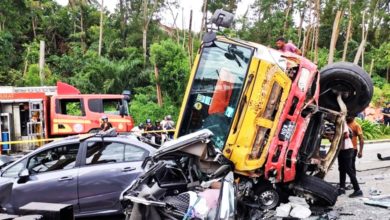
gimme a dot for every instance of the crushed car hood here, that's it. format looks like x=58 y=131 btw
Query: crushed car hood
x=183 y=142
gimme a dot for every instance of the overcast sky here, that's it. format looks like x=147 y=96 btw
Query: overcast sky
x=185 y=6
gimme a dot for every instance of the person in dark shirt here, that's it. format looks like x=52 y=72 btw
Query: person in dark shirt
x=157 y=135
x=386 y=114
x=105 y=125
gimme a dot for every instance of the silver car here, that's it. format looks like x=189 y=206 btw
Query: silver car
x=88 y=173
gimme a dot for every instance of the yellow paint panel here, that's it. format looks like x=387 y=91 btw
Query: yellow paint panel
x=66 y=128
x=241 y=146
x=119 y=120
x=74 y=121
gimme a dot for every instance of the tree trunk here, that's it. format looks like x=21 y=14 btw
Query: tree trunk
x=34 y=27
x=335 y=33
x=190 y=40
x=144 y=36
x=300 y=26
x=183 y=29
x=371 y=66
x=26 y=61
x=362 y=43
x=204 y=20
x=317 y=30
x=123 y=21
x=145 y=28
x=348 y=36
x=41 y=61
x=146 y=20
x=82 y=35
x=306 y=40
x=101 y=29
x=158 y=88
x=288 y=9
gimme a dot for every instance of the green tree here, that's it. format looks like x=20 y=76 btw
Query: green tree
x=172 y=63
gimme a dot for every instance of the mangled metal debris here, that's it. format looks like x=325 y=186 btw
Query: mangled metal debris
x=379 y=201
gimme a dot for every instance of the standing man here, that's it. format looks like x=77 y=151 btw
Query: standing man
x=283 y=46
x=357 y=132
x=386 y=114
x=345 y=159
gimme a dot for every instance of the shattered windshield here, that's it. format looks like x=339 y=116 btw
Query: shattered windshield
x=216 y=90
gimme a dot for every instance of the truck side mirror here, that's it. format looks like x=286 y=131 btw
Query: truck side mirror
x=122 y=111
x=24 y=176
x=222 y=18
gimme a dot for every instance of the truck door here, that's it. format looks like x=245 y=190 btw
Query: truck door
x=69 y=117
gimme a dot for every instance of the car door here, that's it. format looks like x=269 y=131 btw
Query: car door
x=109 y=168
x=53 y=177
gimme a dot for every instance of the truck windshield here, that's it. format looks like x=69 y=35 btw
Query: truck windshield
x=216 y=90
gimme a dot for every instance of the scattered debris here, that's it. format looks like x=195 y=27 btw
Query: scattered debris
x=300 y=212
x=283 y=210
x=332 y=215
x=297 y=201
x=296 y=208
x=320 y=210
x=380 y=201
x=374 y=192
x=347 y=213
x=382 y=158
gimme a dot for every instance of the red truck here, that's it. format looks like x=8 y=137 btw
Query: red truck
x=55 y=111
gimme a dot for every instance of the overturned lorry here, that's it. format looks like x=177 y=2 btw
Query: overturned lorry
x=268 y=112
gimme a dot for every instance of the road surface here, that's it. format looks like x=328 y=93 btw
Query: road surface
x=372 y=174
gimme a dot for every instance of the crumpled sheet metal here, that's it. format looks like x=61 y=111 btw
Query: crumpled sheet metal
x=380 y=201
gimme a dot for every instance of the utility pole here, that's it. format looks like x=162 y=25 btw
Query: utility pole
x=41 y=60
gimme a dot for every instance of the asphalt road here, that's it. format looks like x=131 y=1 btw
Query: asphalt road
x=372 y=174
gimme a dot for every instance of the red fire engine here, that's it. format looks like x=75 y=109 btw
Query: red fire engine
x=55 y=111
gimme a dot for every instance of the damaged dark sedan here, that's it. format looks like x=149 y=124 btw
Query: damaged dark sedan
x=88 y=172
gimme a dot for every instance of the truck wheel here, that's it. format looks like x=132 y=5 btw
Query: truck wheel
x=350 y=79
x=266 y=196
x=316 y=190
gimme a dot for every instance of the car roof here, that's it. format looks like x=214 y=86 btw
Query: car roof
x=76 y=139
x=79 y=139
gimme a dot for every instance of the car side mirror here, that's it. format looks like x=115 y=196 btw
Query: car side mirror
x=24 y=176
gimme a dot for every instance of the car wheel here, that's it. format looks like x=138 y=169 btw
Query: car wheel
x=349 y=79
x=316 y=190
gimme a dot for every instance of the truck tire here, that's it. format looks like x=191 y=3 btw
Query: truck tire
x=267 y=196
x=316 y=190
x=349 y=79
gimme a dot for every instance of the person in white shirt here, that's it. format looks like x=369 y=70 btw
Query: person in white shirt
x=345 y=159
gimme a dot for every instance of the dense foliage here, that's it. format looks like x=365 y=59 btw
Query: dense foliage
x=373 y=130
x=134 y=43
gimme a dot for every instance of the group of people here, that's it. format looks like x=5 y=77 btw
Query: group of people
x=376 y=115
x=159 y=132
